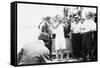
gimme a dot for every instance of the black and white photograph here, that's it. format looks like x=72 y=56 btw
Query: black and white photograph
x=55 y=33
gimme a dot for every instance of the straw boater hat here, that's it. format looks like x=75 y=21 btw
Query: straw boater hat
x=58 y=17
x=76 y=16
x=90 y=14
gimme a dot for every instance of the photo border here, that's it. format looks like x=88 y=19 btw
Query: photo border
x=14 y=30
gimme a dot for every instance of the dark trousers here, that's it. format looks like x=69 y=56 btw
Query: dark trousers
x=94 y=45
x=49 y=46
x=76 y=45
x=86 y=45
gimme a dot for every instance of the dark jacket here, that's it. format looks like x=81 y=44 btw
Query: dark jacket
x=33 y=53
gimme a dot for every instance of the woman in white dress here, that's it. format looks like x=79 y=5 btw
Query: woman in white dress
x=60 y=43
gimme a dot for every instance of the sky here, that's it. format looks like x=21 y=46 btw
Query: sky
x=29 y=17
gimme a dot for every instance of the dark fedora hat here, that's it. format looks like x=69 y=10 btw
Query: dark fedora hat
x=44 y=36
x=47 y=18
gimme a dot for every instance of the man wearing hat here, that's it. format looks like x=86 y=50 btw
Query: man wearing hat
x=76 y=37
x=36 y=52
x=86 y=30
x=45 y=27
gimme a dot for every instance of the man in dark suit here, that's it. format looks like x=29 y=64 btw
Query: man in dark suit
x=45 y=27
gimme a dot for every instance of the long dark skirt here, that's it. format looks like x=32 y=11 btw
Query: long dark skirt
x=86 y=45
x=76 y=45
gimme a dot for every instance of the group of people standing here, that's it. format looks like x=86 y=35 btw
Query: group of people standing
x=56 y=31
x=80 y=30
x=74 y=27
x=82 y=37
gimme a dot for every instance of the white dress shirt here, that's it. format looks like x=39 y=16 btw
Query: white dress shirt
x=75 y=27
x=88 y=26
